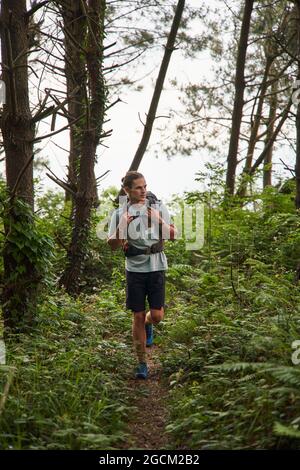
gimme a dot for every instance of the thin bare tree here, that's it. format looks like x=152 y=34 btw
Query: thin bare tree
x=232 y=158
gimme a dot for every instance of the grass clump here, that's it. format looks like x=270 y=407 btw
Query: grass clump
x=68 y=378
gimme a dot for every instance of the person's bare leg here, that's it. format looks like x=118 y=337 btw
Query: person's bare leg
x=154 y=315
x=139 y=335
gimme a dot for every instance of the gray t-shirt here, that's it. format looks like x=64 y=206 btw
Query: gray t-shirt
x=142 y=236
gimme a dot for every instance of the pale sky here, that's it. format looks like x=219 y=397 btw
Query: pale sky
x=164 y=177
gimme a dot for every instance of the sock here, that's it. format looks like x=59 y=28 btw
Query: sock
x=140 y=351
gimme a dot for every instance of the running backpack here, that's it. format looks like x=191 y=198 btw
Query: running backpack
x=130 y=250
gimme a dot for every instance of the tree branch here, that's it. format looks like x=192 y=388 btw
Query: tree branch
x=63 y=185
x=36 y=7
x=38 y=139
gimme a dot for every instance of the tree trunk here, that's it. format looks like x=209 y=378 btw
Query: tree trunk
x=75 y=32
x=297 y=164
x=75 y=29
x=273 y=137
x=170 y=46
x=18 y=133
x=158 y=87
x=239 y=98
x=255 y=126
x=267 y=175
x=95 y=111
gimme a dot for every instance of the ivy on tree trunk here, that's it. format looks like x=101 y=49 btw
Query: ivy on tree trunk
x=84 y=198
x=18 y=131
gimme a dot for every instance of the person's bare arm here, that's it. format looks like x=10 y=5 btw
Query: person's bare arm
x=169 y=231
x=116 y=240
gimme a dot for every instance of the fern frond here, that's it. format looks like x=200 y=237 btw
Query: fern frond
x=286 y=431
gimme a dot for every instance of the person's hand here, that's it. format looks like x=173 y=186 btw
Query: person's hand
x=125 y=220
x=154 y=215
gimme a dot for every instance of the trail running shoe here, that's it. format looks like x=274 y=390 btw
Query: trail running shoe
x=149 y=334
x=142 y=371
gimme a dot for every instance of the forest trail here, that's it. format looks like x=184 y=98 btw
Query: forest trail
x=147 y=426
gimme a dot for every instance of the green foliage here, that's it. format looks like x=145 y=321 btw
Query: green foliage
x=55 y=219
x=100 y=261
x=27 y=242
x=69 y=386
x=226 y=341
x=232 y=318
x=28 y=254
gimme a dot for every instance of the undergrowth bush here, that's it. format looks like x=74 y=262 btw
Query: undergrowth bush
x=230 y=328
x=227 y=338
x=68 y=379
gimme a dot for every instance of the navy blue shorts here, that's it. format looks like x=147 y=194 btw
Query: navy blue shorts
x=140 y=286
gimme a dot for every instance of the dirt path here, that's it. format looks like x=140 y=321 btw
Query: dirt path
x=148 y=423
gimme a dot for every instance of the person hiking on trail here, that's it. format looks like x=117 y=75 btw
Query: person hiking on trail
x=139 y=227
